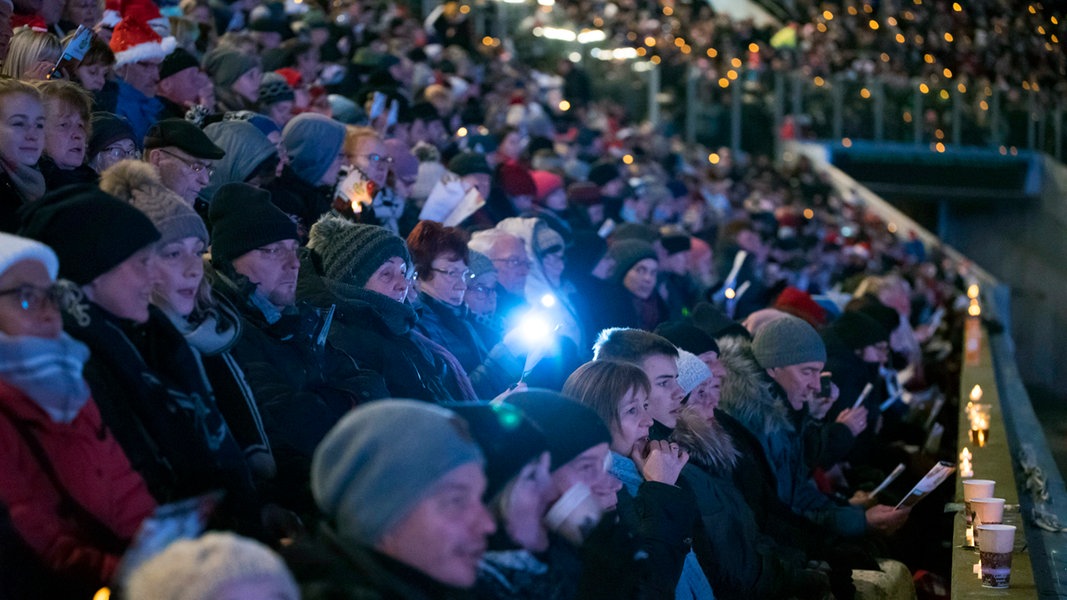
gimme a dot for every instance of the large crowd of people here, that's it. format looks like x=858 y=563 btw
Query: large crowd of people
x=404 y=324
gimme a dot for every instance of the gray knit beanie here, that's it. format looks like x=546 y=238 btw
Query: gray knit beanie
x=787 y=341
x=352 y=252
x=479 y=264
x=200 y=568
x=381 y=460
x=628 y=253
x=274 y=89
x=138 y=183
x=312 y=142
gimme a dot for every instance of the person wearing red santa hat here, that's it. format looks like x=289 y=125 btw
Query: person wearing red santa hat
x=139 y=49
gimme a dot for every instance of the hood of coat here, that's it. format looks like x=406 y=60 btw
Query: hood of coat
x=747 y=391
x=708 y=443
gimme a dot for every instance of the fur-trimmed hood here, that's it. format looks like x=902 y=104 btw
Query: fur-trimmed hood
x=132 y=177
x=707 y=443
x=746 y=390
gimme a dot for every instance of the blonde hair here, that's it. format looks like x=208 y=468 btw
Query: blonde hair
x=354 y=136
x=27 y=48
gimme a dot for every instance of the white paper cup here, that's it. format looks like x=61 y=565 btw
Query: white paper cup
x=574 y=514
x=997 y=542
x=987 y=511
x=975 y=488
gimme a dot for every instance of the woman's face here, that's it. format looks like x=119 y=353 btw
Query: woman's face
x=65 y=137
x=634 y=422
x=180 y=266
x=528 y=499
x=83 y=12
x=26 y=305
x=373 y=158
x=22 y=126
x=391 y=279
x=641 y=278
x=553 y=265
x=449 y=282
x=126 y=290
x=481 y=294
x=247 y=85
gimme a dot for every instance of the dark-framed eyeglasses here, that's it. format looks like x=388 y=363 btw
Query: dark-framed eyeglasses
x=453 y=274
x=33 y=298
x=194 y=166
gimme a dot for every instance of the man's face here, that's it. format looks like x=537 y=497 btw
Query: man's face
x=445 y=535
x=183 y=87
x=800 y=381
x=273 y=268
x=640 y=280
x=590 y=468
x=512 y=266
x=142 y=76
x=665 y=399
x=181 y=172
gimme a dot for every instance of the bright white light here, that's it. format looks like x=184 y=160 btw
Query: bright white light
x=534 y=329
x=555 y=33
x=574 y=57
x=548 y=301
x=591 y=36
x=547 y=2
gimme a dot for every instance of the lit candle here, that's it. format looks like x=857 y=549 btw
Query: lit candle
x=976 y=393
x=972 y=291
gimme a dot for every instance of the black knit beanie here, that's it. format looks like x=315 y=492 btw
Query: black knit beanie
x=90 y=230
x=628 y=253
x=107 y=129
x=351 y=252
x=242 y=219
x=688 y=337
x=858 y=330
x=569 y=427
x=508 y=440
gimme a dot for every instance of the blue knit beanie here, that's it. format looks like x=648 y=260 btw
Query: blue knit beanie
x=787 y=341
x=313 y=142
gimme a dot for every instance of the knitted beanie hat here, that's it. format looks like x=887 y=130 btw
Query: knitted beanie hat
x=628 y=253
x=546 y=240
x=546 y=182
x=382 y=459
x=227 y=66
x=242 y=219
x=691 y=371
x=352 y=252
x=787 y=341
x=507 y=438
x=202 y=567
x=14 y=249
x=273 y=88
x=569 y=427
x=85 y=253
x=688 y=337
x=800 y=304
x=107 y=129
x=479 y=264
x=138 y=183
x=858 y=330
x=313 y=142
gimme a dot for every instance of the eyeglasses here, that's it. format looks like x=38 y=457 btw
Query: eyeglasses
x=481 y=290
x=375 y=157
x=453 y=274
x=513 y=262
x=195 y=167
x=278 y=253
x=119 y=153
x=33 y=298
x=391 y=276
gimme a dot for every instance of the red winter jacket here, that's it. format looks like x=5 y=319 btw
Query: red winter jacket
x=95 y=472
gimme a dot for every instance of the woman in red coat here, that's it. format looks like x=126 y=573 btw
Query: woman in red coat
x=69 y=500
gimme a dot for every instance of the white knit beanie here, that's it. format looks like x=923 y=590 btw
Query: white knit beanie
x=691 y=371
x=198 y=569
x=14 y=249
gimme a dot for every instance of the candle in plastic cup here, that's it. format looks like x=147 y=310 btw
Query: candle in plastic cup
x=997 y=542
x=987 y=511
x=574 y=514
x=975 y=488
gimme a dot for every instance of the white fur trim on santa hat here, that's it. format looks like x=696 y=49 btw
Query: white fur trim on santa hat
x=111 y=18
x=14 y=249
x=146 y=51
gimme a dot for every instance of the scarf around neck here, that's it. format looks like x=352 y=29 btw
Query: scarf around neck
x=27 y=179
x=49 y=371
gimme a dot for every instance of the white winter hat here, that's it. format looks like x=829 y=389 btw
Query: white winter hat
x=14 y=249
x=691 y=371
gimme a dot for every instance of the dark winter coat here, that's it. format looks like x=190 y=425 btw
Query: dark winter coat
x=302 y=383
x=492 y=369
x=757 y=403
x=299 y=199
x=328 y=568
x=379 y=333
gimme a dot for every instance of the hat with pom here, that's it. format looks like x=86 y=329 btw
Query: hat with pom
x=138 y=183
x=134 y=40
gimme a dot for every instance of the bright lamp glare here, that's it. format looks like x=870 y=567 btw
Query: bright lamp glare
x=548 y=301
x=534 y=329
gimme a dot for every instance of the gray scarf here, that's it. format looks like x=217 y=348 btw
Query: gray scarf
x=49 y=371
